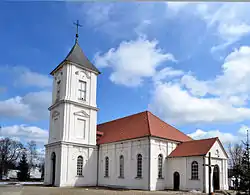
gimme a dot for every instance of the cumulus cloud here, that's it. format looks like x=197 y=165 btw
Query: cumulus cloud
x=222 y=99
x=177 y=105
x=25 y=133
x=224 y=137
x=133 y=60
x=29 y=78
x=23 y=77
x=32 y=106
x=233 y=80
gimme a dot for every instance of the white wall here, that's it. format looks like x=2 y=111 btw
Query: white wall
x=48 y=165
x=72 y=129
x=67 y=127
x=69 y=166
x=222 y=162
x=129 y=149
x=183 y=166
x=163 y=147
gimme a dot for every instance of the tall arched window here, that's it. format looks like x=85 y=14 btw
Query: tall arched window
x=160 y=158
x=106 y=166
x=139 y=165
x=79 y=165
x=194 y=170
x=121 y=166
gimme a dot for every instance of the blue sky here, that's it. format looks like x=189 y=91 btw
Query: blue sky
x=188 y=63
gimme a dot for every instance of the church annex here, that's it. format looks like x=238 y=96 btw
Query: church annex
x=135 y=152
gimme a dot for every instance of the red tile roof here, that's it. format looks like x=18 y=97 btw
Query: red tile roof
x=193 y=148
x=138 y=125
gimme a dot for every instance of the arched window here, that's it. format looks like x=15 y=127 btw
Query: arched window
x=106 y=166
x=194 y=170
x=79 y=165
x=121 y=166
x=160 y=158
x=139 y=165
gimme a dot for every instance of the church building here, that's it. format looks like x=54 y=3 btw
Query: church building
x=135 y=152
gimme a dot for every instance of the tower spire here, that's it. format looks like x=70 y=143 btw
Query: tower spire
x=77 y=26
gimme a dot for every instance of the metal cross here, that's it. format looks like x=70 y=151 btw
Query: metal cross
x=209 y=172
x=77 y=26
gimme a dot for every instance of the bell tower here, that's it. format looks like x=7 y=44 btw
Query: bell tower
x=73 y=121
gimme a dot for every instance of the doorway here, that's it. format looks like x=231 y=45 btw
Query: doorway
x=53 y=171
x=176 y=181
x=216 y=178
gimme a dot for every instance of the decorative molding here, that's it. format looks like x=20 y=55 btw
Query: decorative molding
x=82 y=67
x=87 y=74
x=72 y=102
x=81 y=113
x=55 y=114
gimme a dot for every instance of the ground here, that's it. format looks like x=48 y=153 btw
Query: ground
x=39 y=190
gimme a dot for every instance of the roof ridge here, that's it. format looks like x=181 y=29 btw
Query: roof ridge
x=148 y=123
x=122 y=118
x=194 y=140
x=170 y=125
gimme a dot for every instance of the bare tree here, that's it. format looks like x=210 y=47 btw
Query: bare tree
x=235 y=160
x=235 y=154
x=32 y=151
x=10 y=151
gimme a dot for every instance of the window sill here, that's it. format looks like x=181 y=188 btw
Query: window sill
x=106 y=176
x=121 y=177
x=138 y=177
x=80 y=176
x=160 y=178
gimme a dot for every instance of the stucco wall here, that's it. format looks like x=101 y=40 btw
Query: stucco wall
x=72 y=130
x=163 y=147
x=222 y=162
x=183 y=166
x=129 y=149
x=48 y=165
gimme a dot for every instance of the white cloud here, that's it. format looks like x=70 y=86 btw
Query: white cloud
x=29 y=78
x=112 y=18
x=232 y=83
x=132 y=61
x=32 y=106
x=24 y=77
x=177 y=6
x=165 y=73
x=243 y=131
x=25 y=133
x=225 y=138
x=176 y=105
x=222 y=99
x=228 y=21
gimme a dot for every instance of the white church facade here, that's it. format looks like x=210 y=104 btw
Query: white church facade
x=135 y=152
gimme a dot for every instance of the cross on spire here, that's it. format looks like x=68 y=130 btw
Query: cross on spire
x=77 y=26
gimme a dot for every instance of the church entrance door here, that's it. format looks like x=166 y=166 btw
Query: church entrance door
x=53 y=172
x=176 y=181
x=216 y=177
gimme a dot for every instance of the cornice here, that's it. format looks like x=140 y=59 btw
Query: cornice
x=71 y=102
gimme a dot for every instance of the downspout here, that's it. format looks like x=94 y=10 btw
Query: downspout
x=149 y=163
x=97 y=173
